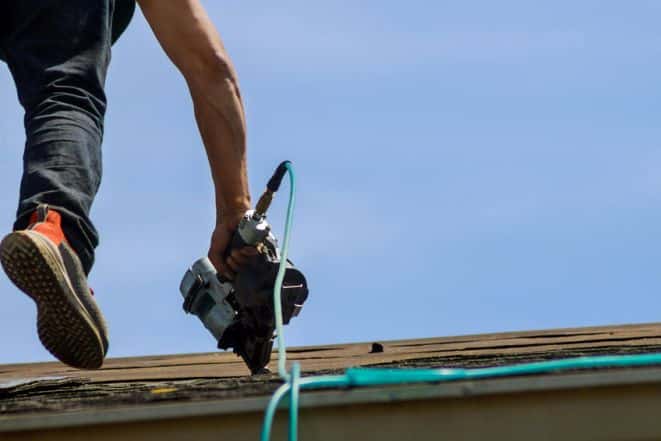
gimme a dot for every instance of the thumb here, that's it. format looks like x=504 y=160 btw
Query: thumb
x=219 y=242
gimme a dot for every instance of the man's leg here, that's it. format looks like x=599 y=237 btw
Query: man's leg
x=58 y=55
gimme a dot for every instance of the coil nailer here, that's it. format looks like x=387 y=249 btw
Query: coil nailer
x=239 y=313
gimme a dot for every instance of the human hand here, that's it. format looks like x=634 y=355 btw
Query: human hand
x=238 y=258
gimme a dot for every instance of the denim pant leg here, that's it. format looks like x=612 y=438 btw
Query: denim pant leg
x=58 y=53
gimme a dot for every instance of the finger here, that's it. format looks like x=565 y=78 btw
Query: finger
x=233 y=264
x=214 y=261
x=227 y=274
x=249 y=251
x=244 y=253
x=239 y=258
x=223 y=269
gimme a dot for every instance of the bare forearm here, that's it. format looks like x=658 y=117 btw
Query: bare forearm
x=219 y=116
x=193 y=44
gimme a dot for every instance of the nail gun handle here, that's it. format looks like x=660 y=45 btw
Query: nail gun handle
x=236 y=243
x=253 y=229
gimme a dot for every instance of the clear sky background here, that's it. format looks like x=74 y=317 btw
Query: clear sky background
x=464 y=167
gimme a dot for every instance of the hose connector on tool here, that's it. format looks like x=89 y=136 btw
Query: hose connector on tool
x=271 y=188
x=254 y=228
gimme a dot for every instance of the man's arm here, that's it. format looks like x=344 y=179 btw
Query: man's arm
x=192 y=42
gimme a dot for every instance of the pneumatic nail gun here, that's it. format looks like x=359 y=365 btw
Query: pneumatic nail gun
x=239 y=313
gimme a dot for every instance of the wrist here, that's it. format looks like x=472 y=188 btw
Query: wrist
x=230 y=218
x=230 y=212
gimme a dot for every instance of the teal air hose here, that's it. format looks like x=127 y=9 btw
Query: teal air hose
x=354 y=377
x=293 y=401
x=277 y=288
x=278 y=395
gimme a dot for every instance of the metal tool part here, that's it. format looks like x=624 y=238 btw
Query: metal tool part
x=239 y=313
x=206 y=297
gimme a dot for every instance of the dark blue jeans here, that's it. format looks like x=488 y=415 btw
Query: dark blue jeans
x=58 y=54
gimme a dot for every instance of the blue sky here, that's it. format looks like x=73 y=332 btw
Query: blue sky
x=463 y=167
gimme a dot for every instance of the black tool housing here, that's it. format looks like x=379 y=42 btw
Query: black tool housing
x=251 y=333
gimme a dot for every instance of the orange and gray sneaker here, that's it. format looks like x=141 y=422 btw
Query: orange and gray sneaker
x=41 y=263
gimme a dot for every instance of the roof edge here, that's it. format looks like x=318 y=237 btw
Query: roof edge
x=334 y=398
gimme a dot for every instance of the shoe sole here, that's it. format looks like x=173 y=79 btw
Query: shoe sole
x=64 y=326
